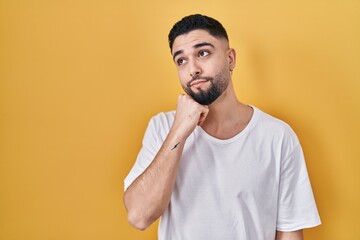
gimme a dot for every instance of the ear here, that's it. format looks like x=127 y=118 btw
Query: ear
x=232 y=58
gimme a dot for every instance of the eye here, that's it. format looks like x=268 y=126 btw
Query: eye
x=204 y=53
x=180 y=61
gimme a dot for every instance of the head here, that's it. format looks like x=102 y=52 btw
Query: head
x=195 y=22
x=200 y=49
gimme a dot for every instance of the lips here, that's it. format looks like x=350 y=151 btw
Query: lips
x=197 y=82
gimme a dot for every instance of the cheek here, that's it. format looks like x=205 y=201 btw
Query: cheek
x=183 y=79
x=214 y=66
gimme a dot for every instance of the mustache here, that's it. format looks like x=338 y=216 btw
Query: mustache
x=198 y=78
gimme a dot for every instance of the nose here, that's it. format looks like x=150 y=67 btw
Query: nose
x=194 y=69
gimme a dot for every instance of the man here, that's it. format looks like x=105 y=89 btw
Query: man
x=216 y=168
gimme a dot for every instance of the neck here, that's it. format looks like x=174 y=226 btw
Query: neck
x=227 y=116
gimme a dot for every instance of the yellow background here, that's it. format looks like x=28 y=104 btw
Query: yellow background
x=79 y=80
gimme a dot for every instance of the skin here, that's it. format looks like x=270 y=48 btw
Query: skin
x=296 y=235
x=196 y=54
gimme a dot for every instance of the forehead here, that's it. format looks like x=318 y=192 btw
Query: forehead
x=190 y=39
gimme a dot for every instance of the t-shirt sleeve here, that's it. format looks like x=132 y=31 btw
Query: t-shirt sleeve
x=150 y=147
x=296 y=208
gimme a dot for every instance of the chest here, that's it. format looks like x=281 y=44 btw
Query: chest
x=229 y=170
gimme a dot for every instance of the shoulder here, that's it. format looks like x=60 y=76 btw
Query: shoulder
x=163 y=119
x=267 y=120
x=161 y=123
x=275 y=128
x=158 y=127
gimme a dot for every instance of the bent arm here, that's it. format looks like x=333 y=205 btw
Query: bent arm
x=149 y=195
x=295 y=235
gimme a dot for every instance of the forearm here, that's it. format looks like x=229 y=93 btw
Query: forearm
x=149 y=195
x=295 y=235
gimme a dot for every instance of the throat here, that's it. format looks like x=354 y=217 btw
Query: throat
x=226 y=132
x=228 y=127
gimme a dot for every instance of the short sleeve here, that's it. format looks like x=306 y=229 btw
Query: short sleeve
x=150 y=147
x=296 y=207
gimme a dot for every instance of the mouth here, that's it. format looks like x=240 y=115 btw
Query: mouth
x=198 y=81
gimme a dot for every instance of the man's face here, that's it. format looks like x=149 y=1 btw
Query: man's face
x=203 y=63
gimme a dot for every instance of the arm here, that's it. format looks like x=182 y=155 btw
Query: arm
x=149 y=195
x=296 y=235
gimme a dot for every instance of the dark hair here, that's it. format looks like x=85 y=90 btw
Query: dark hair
x=197 y=21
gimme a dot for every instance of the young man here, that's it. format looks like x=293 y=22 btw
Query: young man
x=216 y=168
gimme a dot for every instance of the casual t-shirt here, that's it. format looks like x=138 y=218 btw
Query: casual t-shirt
x=245 y=187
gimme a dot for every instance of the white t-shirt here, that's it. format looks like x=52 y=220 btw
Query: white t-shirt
x=245 y=187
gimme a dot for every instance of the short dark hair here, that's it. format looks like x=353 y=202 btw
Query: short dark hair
x=194 y=22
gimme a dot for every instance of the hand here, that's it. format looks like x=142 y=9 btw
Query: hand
x=188 y=115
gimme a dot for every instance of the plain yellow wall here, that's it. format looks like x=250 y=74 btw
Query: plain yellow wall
x=80 y=79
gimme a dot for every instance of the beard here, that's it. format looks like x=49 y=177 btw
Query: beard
x=218 y=85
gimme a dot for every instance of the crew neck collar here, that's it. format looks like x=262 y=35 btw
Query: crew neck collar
x=248 y=127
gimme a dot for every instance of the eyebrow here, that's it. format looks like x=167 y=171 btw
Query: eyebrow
x=198 y=45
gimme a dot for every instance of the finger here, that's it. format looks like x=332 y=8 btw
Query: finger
x=203 y=116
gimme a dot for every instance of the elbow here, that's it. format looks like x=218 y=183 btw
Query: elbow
x=134 y=216
x=137 y=221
